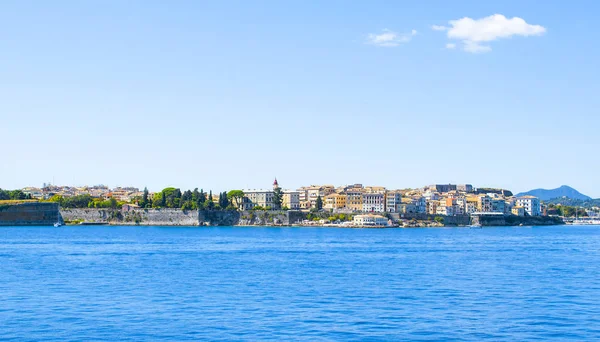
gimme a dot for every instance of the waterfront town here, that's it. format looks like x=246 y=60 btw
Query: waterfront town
x=365 y=204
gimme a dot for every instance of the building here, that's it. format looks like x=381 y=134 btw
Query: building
x=257 y=197
x=484 y=204
x=519 y=211
x=329 y=202
x=373 y=202
x=432 y=207
x=498 y=206
x=471 y=205
x=354 y=199
x=309 y=194
x=442 y=187
x=443 y=209
x=464 y=187
x=393 y=200
x=370 y=220
x=291 y=199
x=530 y=204
x=407 y=208
x=420 y=202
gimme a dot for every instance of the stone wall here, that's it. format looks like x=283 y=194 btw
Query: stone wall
x=512 y=220
x=219 y=217
x=29 y=214
x=148 y=217
x=177 y=217
x=462 y=220
x=261 y=218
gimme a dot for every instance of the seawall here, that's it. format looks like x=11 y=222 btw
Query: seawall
x=511 y=220
x=143 y=217
x=29 y=214
x=46 y=214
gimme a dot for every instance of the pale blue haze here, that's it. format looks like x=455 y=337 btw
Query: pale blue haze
x=192 y=93
x=150 y=283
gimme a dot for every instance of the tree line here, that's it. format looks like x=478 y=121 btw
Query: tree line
x=14 y=195
x=191 y=199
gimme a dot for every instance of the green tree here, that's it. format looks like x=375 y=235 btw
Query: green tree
x=57 y=198
x=144 y=202
x=277 y=198
x=201 y=198
x=209 y=204
x=163 y=199
x=223 y=201
x=236 y=197
x=319 y=203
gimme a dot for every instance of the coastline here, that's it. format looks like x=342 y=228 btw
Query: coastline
x=43 y=213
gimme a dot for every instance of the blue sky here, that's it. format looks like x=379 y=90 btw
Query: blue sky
x=229 y=94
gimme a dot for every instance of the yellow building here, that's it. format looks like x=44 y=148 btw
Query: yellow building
x=354 y=199
x=518 y=211
x=335 y=201
x=340 y=201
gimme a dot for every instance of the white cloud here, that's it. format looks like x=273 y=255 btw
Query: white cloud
x=475 y=47
x=473 y=32
x=438 y=28
x=450 y=46
x=390 y=38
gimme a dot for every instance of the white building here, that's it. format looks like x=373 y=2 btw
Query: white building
x=374 y=203
x=370 y=220
x=257 y=197
x=530 y=204
x=393 y=200
x=445 y=210
x=421 y=204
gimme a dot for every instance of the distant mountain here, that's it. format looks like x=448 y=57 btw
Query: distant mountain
x=563 y=191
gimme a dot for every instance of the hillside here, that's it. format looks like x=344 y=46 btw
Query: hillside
x=563 y=191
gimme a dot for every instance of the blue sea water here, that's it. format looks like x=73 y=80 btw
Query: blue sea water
x=150 y=283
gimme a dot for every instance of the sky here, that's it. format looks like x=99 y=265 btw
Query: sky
x=230 y=94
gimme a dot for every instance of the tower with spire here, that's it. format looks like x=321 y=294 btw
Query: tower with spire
x=275 y=184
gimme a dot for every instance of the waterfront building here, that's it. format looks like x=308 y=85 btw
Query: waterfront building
x=530 y=204
x=393 y=200
x=518 y=211
x=309 y=194
x=354 y=199
x=257 y=197
x=443 y=209
x=407 y=208
x=370 y=220
x=291 y=199
x=484 y=204
x=420 y=203
x=329 y=201
x=373 y=202
x=498 y=206
x=432 y=207
x=471 y=205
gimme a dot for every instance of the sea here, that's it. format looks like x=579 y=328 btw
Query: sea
x=112 y=283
